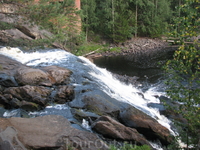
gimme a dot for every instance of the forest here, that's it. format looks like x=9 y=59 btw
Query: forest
x=111 y=20
x=116 y=21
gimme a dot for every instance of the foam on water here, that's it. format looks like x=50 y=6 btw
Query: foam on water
x=107 y=83
x=128 y=93
x=50 y=57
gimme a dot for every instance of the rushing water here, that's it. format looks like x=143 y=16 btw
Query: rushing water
x=85 y=71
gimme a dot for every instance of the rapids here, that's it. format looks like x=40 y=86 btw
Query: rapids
x=85 y=71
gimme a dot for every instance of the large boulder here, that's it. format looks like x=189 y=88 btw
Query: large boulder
x=27 y=96
x=10 y=34
x=58 y=74
x=101 y=105
x=32 y=76
x=145 y=124
x=11 y=70
x=8 y=66
x=13 y=73
x=7 y=80
x=8 y=69
x=22 y=24
x=64 y=94
x=47 y=132
x=111 y=128
x=33 y=31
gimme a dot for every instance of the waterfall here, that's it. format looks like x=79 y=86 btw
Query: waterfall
x=103 y=78
x=128 y=93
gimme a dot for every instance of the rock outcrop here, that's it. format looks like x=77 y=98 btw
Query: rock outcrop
x=17 y=28
x=32 y=76
x=145 y=124
x=101 y=106
x=32 y=89
x=29 y=88
x=34 y=94
x=111 y=128
x=58 y=74
x=64 y=94
x=47 y=132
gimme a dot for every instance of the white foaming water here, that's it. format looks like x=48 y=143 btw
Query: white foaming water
x=128 y=94
x=108 y=84
x=35 y=58
x=85 y=125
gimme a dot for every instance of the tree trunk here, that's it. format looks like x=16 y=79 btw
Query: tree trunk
x=136 y=15
x=113 y=18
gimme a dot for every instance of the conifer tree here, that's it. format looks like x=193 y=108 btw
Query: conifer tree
x=89 y=19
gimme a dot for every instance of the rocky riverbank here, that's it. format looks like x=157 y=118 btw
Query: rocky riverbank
x=32 y=89
x=143 y=51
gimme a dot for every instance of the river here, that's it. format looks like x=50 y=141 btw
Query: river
x=98 y=79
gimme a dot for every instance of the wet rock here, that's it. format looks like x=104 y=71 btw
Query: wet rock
x=6 y=138
x=145 y=124
x=164 y=99
x=171 y=110
x=34 y=94
x=47 y=132
x=64 y=94
x=8 y=67
x=58 y=74
x=7 y=80
x=2 y=110
x=127 y=79
x=160 y=107
x=101 y=106
x=111 y=128
x=80 y=114
x=13 y=73
x=3 y=101
x=31 y=76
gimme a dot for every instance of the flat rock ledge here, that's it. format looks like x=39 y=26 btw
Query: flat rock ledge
x=47 y=132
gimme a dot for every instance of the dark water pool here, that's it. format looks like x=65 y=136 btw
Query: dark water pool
x=122 y=66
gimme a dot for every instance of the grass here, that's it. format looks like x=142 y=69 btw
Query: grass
x=127 y=146
x=90 y=47
x=87 y=48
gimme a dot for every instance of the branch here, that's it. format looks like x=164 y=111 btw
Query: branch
x=91 y=52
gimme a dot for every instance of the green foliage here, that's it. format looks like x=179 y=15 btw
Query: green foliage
x=115 y=49
x=88 y=16
x=56 y=17
x=184 y=70
x=87 y=47
x=33 y=44
x=6 y=26
x=120 y=20
x=130 y=147
x=152 y=17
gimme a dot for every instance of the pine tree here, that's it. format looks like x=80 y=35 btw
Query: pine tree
x=89 y=19
x=152 y=17
x=123 y=21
